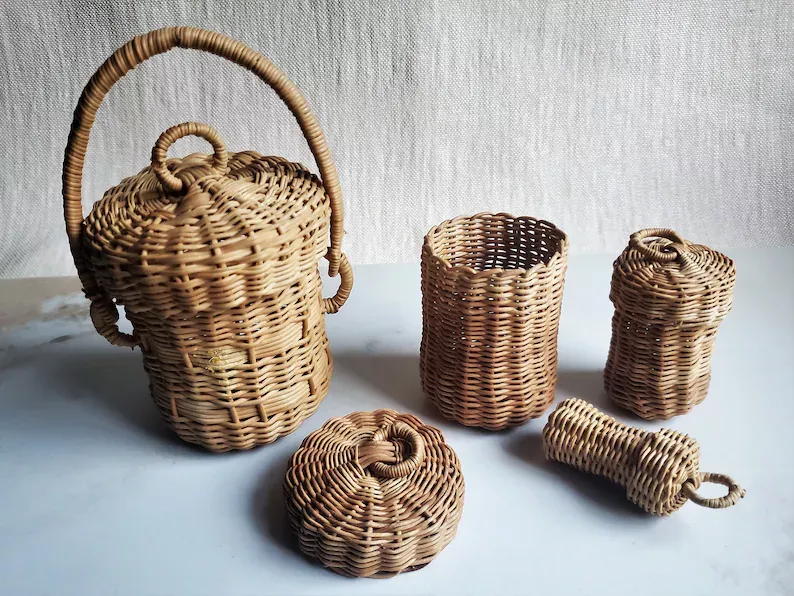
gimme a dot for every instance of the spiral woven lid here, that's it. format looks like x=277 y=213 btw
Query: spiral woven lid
x=373 y=494
x=234 y=214
x=662 y=278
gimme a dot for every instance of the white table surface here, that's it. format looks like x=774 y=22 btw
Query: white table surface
x=97 y=497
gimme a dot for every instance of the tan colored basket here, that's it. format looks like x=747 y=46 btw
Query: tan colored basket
x=670 y=297
x=491 y=295
x=659 y=470
x=214 y=258
x=374 y=494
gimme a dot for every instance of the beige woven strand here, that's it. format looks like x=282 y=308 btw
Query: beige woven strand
x=670 y=297
x=214 y=258
x=374 y=494
x=659 y=470
x=491 y=295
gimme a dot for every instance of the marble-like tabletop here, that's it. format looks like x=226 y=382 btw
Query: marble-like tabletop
x=98 y=497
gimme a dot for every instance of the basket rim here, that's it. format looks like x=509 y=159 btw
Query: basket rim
x=561 y=253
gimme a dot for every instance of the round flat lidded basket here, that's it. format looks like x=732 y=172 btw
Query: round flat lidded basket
x=491 y=295
x=374 y=494
x=670 y=297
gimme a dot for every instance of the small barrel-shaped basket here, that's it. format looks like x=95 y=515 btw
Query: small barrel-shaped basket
x=670 y=296
x=491 y=295
x=659 y=470
x=374 y=494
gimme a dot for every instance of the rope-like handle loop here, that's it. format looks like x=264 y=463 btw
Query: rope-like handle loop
x=140 y=49
x=678 y=246
x=169 y=137
x=382 y=456
x=333 y=304
x=735 y=492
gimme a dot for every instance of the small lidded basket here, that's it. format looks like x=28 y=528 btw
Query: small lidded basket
x=670 y=297
x=374 y=494
x=491 y=295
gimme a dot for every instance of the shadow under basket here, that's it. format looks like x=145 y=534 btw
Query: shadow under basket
x=491 y=293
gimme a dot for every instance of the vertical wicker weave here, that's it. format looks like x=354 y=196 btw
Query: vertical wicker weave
x=670 y=297
x=214 y=258
x=659 y=470
x=491 y=295
x=373 y=494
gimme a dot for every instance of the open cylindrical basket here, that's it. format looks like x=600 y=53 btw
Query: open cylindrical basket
x=491 y=294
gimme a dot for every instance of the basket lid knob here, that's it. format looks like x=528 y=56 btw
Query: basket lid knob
x=394 y=450
x=175 y=182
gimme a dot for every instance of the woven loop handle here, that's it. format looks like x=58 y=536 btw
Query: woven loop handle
x=332 y=305
x=140 y=49
x=678 y=246
x=384 y=458
x=735 y=492
x=105 y=316
x=170 y=136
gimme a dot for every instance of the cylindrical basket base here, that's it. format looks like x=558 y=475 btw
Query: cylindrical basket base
x=658 y=371
x=491 y=295
x=224 y=383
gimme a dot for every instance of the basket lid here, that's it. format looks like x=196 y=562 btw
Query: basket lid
x=660 y=277
x=373 y=494
x=240 y=215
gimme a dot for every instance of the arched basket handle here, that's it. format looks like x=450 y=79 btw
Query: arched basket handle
x=127 y=57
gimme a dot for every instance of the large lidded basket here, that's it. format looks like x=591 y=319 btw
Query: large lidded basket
x=491 y=295
x=670 y=297
x=374 y=494
x=215 y=260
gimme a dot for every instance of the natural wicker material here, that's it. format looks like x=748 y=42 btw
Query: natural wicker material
x=373 y=494
x=491 y=294
x=670 y=296
x=659 y=470
x=215 y=261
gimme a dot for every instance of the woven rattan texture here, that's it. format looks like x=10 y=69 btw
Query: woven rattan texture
x=491 y=294
x=374 y=494
x=670 y=297
x=214 y=258
x=659 y=470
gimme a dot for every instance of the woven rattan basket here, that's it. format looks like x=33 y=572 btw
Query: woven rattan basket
x=491 y=294
x=214 y=258
x=374 y=494
x=659 y=470
x=670 y=297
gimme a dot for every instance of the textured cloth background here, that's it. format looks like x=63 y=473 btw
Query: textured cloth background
x=601 y=116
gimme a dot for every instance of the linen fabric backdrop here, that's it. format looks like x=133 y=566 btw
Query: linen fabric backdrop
x=603 y=117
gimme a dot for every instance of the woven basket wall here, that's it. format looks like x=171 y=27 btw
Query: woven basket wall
x=491 y=294
x=670 y=297
x=215 y=260
x=374 y=494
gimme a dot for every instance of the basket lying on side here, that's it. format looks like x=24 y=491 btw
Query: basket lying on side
x=374 y=494
x=670 y=297
x=214 y=258
x=491 y=294
x=659 y=470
